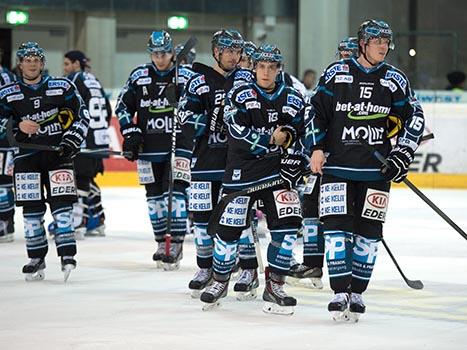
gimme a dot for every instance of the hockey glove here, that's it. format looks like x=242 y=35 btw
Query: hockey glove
x=293 y=166
x=291 y=135
x=132 y=141
x=70 y=144
x=398 y=164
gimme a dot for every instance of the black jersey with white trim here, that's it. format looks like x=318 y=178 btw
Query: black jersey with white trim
x=352 y=101
x=251 y=115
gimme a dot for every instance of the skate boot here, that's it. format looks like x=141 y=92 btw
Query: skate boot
x=305 y=276
x=95 y=226
x=7 y=231
x=338 y=307
x=171 y=261
x=159 y=254
x=356 y=307
x=276 y=300
x=247 y=284
x=200 y=281
x=34 y=270
x=68 y=265
x=217 y=290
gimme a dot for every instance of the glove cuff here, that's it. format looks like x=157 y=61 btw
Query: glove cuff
x=131 y=130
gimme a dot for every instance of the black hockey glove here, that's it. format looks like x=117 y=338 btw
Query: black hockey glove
x=293 y=166
x=291 y=135
x=398 y=160
x=70 y=144
x=132 y=141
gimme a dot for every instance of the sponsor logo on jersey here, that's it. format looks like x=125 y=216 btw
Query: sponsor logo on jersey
x=253 y=105
x=295 y=101
x=389 y=84
x=91 y=83
x=344 y=79
x=144 y=81
x=400 y=80
x=139 y=73
x=243 y=75
x=62 y=182
x=237 y=174
x=15 y=97
x=185 y=72
x=337 y=68
x=287 y=197
x=202 y=90
x=9 y=90
x=42 y=115
x=289 y=110
x=374 y=135
x=58 y=84
x=375 y=206
x=245 y=94
x=363 y=110
x=160 y=125
x=156 y=106
x=61 y=177
x=54 y=92
x=195 y=83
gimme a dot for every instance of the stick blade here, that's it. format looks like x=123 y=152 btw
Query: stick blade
x=417 y=284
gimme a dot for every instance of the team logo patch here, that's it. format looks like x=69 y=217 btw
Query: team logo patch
x=245 y=94
x=376 y=205
x=398 y=78
x=295 y=101
x=337 y=68
x=58 y=84
x=139 y=73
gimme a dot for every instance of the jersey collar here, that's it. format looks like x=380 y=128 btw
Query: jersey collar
x=367 y=70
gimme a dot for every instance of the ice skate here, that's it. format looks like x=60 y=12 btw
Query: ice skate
x=159 y=254
x=34 y=270
x=6 y=237
x=95 y=227
x=338 y=307
x=246 y=285
x=276 y=300
x=304 y=276
x=212 y=295
x=80 y=232
x=200 y=281
x=68 y=265
x=171 y=261
x=356 y=307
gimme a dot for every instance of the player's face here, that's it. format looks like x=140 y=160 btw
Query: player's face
x=162 y=60
x=31 y=67
x=377 y=49
x=345 y=54
x=266 y=73
x=70 y=67
x=229 y=57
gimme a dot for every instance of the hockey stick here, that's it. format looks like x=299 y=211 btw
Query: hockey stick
x=414 y=188
x=414 y=284
x=254 y=232
x=38 y=147
x=173 y=100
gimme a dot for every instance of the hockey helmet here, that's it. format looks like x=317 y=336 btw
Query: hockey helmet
x=348 y=45
x=160 y=42
x=249 y=48
x=30 y=48
x=267 y=52
x=227 y=38
x=372 y=28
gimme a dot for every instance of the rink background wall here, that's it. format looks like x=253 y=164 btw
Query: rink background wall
x=439 y=163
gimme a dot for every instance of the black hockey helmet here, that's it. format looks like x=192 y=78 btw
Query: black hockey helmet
x=372 y=28
x=267 y=52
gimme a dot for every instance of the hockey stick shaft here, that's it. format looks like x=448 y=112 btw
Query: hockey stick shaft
x=414 y=284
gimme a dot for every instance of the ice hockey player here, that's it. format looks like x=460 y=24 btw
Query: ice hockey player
x=7 y=201
x=87 y=166
x=354 y=99
x=347 y=48
x=44 y=111
x=263 y=119
x=202 y=116
x=150 y=140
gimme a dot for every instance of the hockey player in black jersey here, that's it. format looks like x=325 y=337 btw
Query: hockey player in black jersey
x=7 y=202
x=354 y=100
x=87 y=166
x=263 y=119
x=44 y=111
x=149 y=137
x=347 y=48
x=202 y=117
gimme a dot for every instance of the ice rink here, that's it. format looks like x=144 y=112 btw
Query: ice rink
x=117 y=299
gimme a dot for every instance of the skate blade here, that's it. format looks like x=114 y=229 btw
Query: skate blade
x=311 y=283
x=67 y=271
x=196 y=293
x=36 y=276
x=272 y=308
x=245 y=296
x=353 y=317
x=171 y=267
x=212 y=306
x=340 y=316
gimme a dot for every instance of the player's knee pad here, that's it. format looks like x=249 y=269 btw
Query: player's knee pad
x=281 y=247
x=204 y=243
x=225 y=255
x=64 y=234
x=179 y=214
x=313 y=241
x=338 y=249
x=246 y=245
x=158 y=215
x=364 y=257
x=34 y=230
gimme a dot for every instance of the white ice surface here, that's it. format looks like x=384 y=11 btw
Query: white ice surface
x=117 y=299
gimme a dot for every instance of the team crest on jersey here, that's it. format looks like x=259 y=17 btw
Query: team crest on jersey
x=195 y=83
x=245 y=94
x=54 y=92
x=389 y=84
x=9 y=90
x=58 y=84
x=294 y=101
x=344 y=79
x=139 y=73
x=289 y=110
x=400 y=80
x=253 y=105
x=144 y=81
x=16 y=97
x=337 y=68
